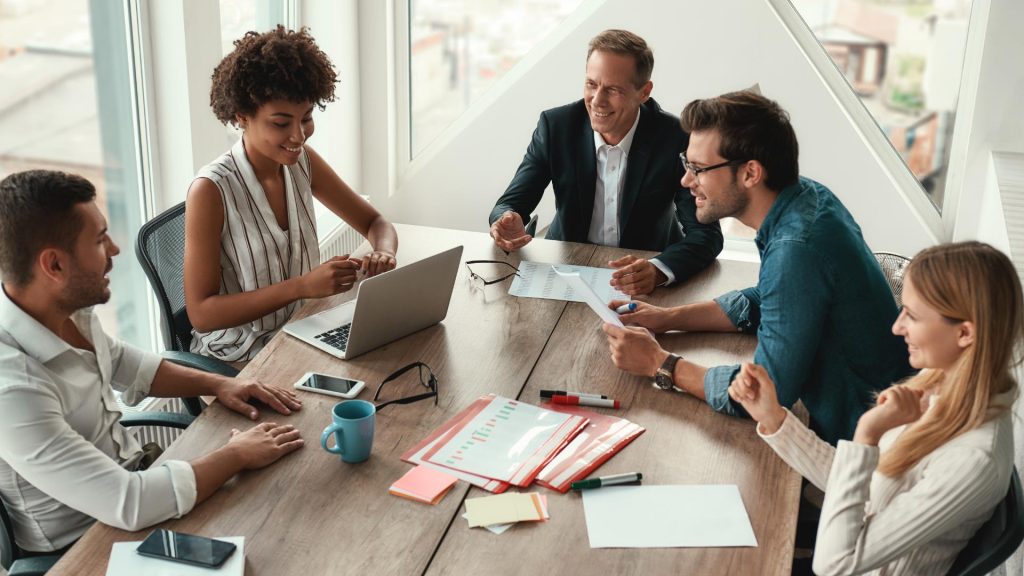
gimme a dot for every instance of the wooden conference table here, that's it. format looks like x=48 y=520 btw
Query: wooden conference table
x=312 y=514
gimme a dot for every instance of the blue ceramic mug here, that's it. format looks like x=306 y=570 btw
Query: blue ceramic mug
x=352 y=429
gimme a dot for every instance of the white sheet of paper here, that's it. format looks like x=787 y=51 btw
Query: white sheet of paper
x=125 y=561
x=704 y=516
x=580 y=287
x=539 y=280
x=498 y=440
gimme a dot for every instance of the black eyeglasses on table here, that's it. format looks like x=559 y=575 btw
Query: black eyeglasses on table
x=479 y=278
x=427 y=379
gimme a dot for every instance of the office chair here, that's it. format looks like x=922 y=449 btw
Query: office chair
x=531 y=226
x=160 y=249
x=998 y=538
x=11 y=557
x=893 y=266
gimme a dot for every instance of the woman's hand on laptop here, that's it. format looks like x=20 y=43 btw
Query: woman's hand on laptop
x=378 y=262
x=332 y=277
x=237 y=393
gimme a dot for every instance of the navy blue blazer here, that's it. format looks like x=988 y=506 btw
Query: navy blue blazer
x=656 y=212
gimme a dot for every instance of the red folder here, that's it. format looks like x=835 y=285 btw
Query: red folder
x=602 y=438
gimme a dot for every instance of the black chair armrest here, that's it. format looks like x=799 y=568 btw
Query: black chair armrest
x=35 y=566
x=531 y=226
x=198 y=362
x=165 y=419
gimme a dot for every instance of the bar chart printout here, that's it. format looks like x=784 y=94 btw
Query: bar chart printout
x=502 y=438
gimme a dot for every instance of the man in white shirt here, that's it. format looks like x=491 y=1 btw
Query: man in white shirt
x=613 y=161
x=64 y=459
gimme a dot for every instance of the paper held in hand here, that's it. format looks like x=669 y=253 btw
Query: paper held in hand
x=600 y=307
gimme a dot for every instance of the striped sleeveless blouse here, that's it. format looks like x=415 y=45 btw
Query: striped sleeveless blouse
x=254 y=251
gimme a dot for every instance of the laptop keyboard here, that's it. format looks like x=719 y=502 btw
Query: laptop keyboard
x=336 y=338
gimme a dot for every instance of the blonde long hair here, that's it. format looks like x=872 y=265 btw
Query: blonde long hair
x=974 y=282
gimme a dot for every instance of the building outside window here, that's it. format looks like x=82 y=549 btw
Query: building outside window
x=903 y=58
x=67 y=104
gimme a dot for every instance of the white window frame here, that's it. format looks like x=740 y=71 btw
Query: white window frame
x=175 y=46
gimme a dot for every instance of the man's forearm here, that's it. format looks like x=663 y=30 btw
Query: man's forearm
x=701 y=317
x=174 y=381
x=215 y=469
x=689 y=377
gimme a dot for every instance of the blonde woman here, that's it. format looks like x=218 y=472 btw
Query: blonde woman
x=931 y=460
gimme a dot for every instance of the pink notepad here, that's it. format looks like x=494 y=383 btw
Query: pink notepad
x=423 y=484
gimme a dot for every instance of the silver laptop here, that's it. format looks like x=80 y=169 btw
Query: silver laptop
x=386 y=308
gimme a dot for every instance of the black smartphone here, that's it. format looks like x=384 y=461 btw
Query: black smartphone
x=186 y=548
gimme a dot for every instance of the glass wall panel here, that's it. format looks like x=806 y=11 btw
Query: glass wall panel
x=67 y=104
x=459 y=48
x=904 y=59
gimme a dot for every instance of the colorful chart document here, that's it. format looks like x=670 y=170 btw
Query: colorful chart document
x=704 y=516
x=429 y=445
x=507 y=440
x=539 y=280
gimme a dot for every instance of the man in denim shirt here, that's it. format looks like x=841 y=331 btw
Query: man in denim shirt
x=821 y=310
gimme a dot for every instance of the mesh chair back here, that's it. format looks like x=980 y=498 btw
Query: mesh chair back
x=997 y=539
x=893 y=266
x=161 y=251
x=8 y=551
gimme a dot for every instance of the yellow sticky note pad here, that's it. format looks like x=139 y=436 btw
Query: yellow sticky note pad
x=504 y=508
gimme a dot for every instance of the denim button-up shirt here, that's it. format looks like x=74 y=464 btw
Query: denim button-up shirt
x=822 y=312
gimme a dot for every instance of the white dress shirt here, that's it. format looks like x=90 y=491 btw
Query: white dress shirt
x=65 y=461
x=611 y=177
x=916 y=523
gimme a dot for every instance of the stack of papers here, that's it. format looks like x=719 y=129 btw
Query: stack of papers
x=506 y=440
x=497 y=513
x=604 y=437
x=423 y=484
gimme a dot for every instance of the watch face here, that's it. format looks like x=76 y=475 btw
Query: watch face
x=663 y=381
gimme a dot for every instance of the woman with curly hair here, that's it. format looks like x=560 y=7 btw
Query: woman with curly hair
x=251 y=250
x=931 y=460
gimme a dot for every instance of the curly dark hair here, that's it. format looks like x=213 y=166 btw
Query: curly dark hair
x=277 y=65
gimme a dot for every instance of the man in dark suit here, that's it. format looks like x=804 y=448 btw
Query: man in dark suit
x=613 y=159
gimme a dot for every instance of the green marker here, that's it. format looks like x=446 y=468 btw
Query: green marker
x=607 y=481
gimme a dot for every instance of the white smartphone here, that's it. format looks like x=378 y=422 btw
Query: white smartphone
x=330 y=385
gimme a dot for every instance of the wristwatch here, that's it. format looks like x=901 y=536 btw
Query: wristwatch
x=663 y=378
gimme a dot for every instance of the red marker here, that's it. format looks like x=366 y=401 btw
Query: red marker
x=585 y=401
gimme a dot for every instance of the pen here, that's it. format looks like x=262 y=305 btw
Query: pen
x=607 y=481
x=625 y=308
x=585 y=401
x=550 y=393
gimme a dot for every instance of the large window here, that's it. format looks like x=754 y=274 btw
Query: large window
x=67 y=104
x=240 y=16
x=903 y=58
x=459 y=48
